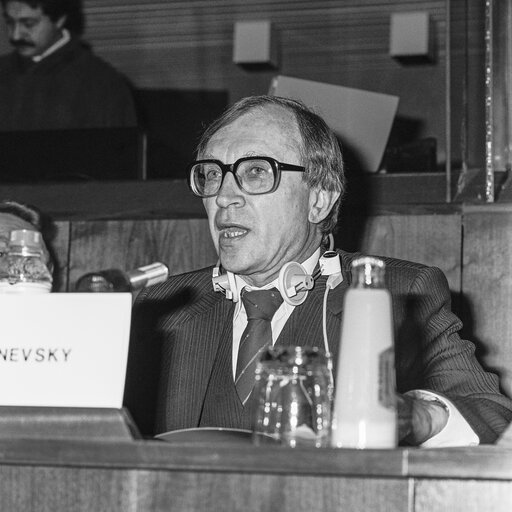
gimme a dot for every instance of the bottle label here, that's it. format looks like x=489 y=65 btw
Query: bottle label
x=387 y=396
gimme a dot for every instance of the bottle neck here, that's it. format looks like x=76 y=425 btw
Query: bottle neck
x=25 y=251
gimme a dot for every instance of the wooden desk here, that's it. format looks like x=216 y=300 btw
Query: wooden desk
x=156 y=476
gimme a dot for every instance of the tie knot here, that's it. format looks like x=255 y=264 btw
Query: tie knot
x=261 y=304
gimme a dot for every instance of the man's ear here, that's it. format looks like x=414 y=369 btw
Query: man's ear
x=320 y=204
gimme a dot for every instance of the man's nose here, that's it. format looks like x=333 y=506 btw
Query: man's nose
x=16 y=32
x=229 y=192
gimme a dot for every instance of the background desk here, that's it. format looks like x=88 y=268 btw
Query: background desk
x=71 y=476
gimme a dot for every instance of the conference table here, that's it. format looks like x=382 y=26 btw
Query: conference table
x=154 y=475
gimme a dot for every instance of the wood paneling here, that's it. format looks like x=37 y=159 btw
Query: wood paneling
x=268 y=493
x=182 y=44
x=183 y=245
x=487 y=284
x=85 y=475
x=430 y=239
x=82 y=490
x=462 y=496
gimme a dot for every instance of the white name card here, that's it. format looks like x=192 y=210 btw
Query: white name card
x=64 y=349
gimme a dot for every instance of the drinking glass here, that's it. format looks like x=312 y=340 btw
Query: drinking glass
x=293 y=397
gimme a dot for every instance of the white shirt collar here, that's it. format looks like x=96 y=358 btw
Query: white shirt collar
x=66 y=37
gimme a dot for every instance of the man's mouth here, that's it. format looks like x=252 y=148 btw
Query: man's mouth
x=232 y=232
x=21 y=44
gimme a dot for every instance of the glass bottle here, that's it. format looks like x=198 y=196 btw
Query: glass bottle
x=23 y=267
x=365 y=411
x=116 y=280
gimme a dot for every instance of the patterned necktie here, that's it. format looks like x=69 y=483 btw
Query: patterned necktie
x=260 y=306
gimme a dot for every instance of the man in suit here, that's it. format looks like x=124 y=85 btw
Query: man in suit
x=270 y=173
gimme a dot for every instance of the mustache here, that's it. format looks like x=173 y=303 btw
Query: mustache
x=21 y=44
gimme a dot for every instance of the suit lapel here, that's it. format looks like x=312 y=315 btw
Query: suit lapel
x=198 y=342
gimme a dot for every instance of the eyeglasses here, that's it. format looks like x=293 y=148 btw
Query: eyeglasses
x=253 y=174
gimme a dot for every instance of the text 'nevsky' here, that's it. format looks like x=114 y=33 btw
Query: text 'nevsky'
x=36 y=355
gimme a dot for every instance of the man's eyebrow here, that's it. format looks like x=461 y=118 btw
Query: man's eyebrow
x=209 y=156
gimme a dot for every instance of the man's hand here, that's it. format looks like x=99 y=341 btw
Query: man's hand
x=419 y=420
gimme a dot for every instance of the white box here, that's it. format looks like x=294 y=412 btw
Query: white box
x=410 y=34
x=254 y=43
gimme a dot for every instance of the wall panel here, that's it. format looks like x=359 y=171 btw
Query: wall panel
x=188 y=45
x=487 y=284
x=183 y=245
x=430 y=239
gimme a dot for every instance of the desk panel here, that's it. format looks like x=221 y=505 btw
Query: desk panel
x=76 y=476
x=462 y=496
x=487 y=284
x=231 y=492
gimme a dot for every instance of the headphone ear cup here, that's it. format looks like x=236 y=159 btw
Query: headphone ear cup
x=292 y=276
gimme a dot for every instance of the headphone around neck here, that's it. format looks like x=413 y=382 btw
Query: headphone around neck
x=293 y=282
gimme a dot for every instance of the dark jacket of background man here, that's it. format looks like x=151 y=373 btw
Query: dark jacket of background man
x=70 y=88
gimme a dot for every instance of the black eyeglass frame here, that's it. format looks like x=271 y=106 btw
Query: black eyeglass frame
x=277 y=168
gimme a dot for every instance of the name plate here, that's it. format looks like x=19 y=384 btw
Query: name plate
x=64 y=349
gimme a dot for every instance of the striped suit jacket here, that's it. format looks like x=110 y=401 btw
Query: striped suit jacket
x=177 y=327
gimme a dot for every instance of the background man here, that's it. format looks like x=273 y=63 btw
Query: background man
x=51 y=80
x=271 y=176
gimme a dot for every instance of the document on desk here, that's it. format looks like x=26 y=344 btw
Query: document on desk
x=64 y=349
x=362 y=119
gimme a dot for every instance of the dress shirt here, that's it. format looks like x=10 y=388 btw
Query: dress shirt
x=280 y=316
x=456 y=432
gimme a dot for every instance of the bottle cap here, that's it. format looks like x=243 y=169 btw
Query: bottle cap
x=368 y=272
x=30 y=239
x=26 y=241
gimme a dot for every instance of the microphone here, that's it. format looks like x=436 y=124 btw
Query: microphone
x=117 y=280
